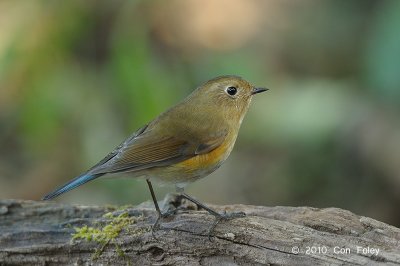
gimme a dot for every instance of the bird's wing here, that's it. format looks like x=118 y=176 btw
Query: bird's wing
x=147 y=148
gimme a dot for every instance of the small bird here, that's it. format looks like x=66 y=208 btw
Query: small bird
x=187 y=142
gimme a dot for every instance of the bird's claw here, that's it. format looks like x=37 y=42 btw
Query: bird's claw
x=226 y=217
x=156 y=226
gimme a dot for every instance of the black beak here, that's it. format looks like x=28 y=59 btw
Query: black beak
x=258 y=90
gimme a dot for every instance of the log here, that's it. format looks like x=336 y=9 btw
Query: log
x=48 y=233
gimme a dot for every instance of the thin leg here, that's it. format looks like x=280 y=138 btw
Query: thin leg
x=153 y=195
x=218 y=216
x=161 y=215
x=198 y=203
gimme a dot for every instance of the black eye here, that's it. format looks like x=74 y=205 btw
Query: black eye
x=231 y=90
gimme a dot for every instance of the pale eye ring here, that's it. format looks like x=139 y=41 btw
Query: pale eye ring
x=231 y=90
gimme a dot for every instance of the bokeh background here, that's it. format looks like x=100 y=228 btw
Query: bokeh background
x=78 y=77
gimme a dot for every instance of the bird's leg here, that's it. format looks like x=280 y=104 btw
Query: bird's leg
x=161 y=215
x=218 y=216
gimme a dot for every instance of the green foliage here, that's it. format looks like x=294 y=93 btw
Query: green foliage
x=78 y=77
x=382 y=69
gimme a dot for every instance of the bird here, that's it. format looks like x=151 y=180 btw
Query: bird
x=185 y=143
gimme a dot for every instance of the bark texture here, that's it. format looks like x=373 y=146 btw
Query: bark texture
x=40 y=233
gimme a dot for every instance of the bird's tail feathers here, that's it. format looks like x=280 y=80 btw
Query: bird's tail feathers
x=76 y=182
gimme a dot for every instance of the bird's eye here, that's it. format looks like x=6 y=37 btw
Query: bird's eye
x=231 y=90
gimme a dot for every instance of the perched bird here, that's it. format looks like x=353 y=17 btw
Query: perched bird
x=187 y=142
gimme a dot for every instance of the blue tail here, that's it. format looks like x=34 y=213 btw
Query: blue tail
x=76 y=182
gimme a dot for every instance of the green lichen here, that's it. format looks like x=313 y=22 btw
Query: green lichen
x=107 y=232
x=112 y=207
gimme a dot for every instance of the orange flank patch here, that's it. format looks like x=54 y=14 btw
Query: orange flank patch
x=207 y=160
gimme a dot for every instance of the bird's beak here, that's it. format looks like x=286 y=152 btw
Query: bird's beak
x=258 y=90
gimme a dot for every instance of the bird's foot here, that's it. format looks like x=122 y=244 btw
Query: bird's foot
x=161 y=215
x=224 y=217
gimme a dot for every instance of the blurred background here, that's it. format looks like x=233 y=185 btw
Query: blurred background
x=78 y=77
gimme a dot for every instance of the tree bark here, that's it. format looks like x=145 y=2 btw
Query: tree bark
x=40 y=233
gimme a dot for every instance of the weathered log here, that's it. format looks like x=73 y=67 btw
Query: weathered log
x=41 y=233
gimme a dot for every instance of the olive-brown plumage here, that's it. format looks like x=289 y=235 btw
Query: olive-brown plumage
x=187 y=142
